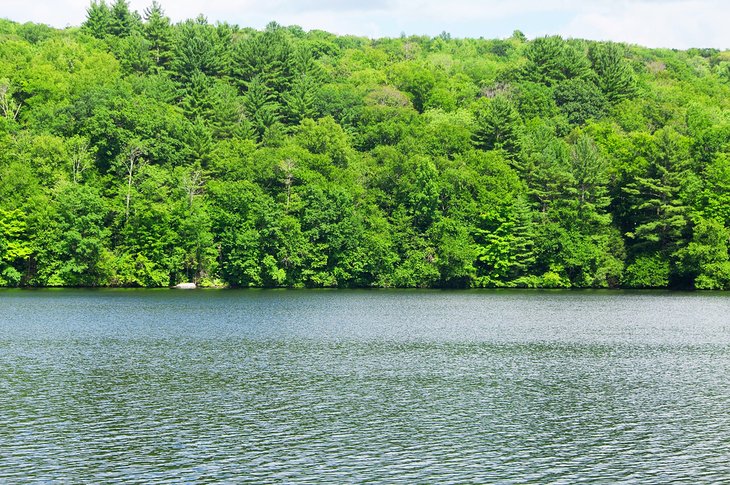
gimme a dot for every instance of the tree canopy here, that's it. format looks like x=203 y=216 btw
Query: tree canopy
x=139 y=152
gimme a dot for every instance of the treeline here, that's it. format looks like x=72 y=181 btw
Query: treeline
x=138 y=152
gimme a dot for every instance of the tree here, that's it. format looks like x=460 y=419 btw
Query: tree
x=98 y=19
x=159 y=33
x=658 y=216
x=505 y=239
x=267 y=57
x=80 y=157
x=300 y=100
x=122 y=21
x=704 y=262
x=551 y=60
x=73 y=248
x=615 y=76
x=14 y=246
x=9 y=107
x=497 y=125
x=197 y=49
x=580 y=100
x=132 y=162
x=260 y=107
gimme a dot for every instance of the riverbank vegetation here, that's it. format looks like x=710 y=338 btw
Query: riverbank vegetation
x=138 y=152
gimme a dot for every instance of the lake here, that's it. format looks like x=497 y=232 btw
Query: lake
x=310 y=386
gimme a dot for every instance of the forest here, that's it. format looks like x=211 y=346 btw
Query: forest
x=138 y=152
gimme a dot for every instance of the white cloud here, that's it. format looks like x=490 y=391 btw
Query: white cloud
x=678 y=24
x=667 y=23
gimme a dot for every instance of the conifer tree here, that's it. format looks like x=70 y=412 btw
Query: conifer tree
x=98 y=19
x=260 y=106
x=658 y=216
x=122 y=21
x=158 y=31
x=615 y=77
x=497 y=125
x=266 y=55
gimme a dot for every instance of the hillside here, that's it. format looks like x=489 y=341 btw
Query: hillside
x=137 y=152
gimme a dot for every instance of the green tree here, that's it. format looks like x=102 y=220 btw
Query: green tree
x=98 y=19
x=159 y=33
x=197 y=48
x=122 y=21
x=73 y=250
x=615 y=76
x=580 y=100
x=658 y=215
x=497 y=124
x=705 y=261
x=260 y=107
x=551 y=60
x=15 y=247
x=267 y=57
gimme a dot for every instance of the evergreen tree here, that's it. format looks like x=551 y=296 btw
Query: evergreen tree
x=98 y=19
x=267 y=56
x=300 y=100
x=614 y=75
x=658 y=216
x=122 y=21
x=551 y=60
x=159 y=33
x=197 y=49
x=260 y=107
x=497 y=125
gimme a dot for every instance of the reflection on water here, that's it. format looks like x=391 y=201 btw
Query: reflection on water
x=363 y=386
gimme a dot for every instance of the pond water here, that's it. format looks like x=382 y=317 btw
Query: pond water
x=309 y=386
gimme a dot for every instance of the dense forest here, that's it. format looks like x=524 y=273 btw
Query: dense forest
x=138 y=152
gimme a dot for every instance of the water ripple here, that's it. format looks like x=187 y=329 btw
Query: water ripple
x=293 y=387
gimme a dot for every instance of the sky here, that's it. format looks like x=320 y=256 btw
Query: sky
x=653 y=23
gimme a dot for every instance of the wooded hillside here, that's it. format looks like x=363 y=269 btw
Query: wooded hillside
x=135 y=152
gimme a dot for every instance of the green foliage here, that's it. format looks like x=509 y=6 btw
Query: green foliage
x=647 y=271
x=73 y=248
x=657 y=214
x=266 y=56
x=135 y=152
x=580 y=100
x=705 y=260
x=197 y=48
x=551 y=60
x=14 y=246
x=496 y=125
x=614 y=74
x=98 y=19
x=159 y=33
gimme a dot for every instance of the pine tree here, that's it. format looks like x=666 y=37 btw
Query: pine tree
x=260 y=107
x=197 y=49
x=266 y=55
x=122 y=21
x=497 y=125
x=657 y=214
x=300 y=100
x=551 y=60
x=98 y=19
x=590 y=173
x=615 y=77
x=158 y=31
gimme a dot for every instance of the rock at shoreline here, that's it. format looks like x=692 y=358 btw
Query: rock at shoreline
x=185 y=286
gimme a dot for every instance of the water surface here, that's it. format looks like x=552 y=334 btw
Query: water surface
x=364 y=386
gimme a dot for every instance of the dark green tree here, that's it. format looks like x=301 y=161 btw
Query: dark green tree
x=497 y=125
x=159 y=33
x=615 y=77
x=551 y=60
x=98 y=19
x=197 y=49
